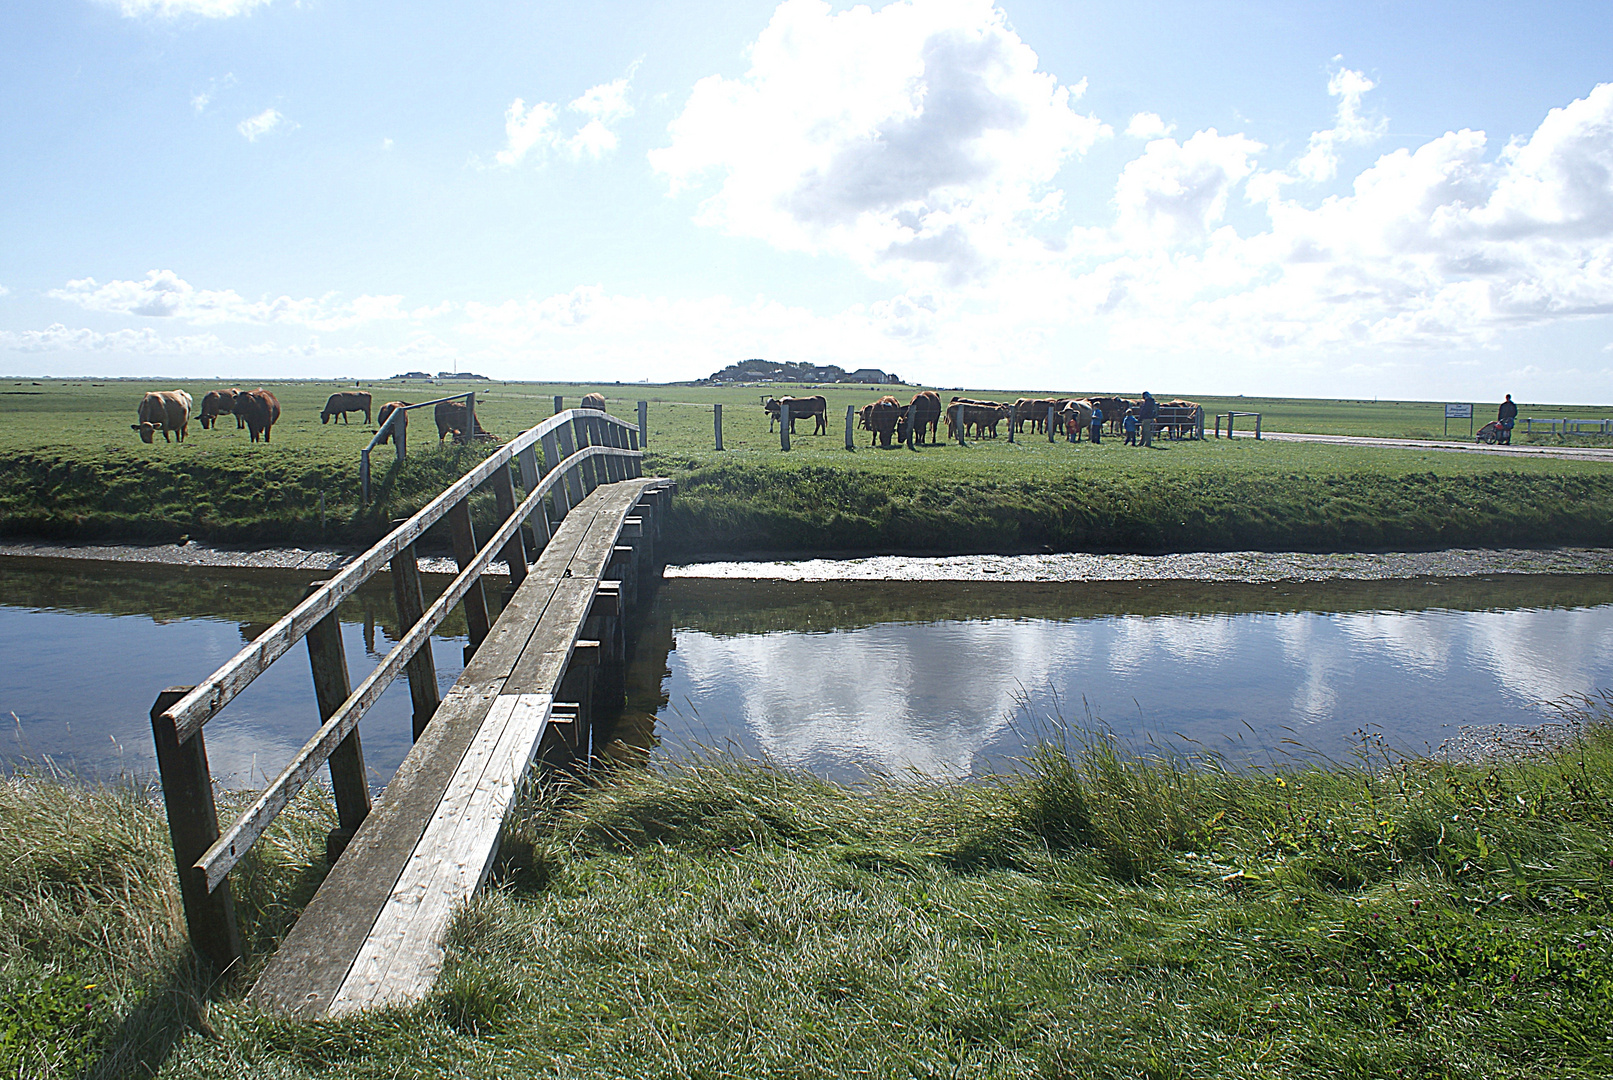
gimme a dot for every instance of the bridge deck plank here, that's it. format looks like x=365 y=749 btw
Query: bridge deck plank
x=317 y=957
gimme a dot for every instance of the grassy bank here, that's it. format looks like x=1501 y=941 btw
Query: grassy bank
x=71 y=469
x=1093 y=916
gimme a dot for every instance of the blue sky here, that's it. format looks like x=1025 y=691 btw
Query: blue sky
x=1370 y=199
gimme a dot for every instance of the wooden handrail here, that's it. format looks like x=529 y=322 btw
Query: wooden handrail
x=234 y=841
x=219 y=689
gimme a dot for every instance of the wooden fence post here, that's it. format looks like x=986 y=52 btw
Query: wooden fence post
x=559 y=404
x=422 y=667
x=784 y=425
x=470 y=417
x=643 y=424
x=364 y=474
x=851 y=411
x=1013 y=420
x=716 y=422
x=475 y=601
x=187 y=792
x=1050 y=423
x=332 y=686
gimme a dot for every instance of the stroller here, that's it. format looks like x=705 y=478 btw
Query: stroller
x=1492 y=433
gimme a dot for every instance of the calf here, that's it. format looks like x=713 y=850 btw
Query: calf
x=217 y=403
x=260 y=409
x=346 y=401
x=165 y=409
x=816 y=407
x=452 y=416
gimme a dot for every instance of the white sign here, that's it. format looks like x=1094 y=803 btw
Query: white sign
x=1458 y=412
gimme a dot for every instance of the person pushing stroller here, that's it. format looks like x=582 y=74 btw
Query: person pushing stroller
x=1507 y=417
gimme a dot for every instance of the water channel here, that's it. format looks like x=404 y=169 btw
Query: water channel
x=844 y=678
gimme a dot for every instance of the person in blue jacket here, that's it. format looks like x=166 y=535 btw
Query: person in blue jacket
x=1129 y=425
x=1095 y=425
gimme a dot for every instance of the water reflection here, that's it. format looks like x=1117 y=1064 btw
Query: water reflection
x=87 y=647
x=847 y=678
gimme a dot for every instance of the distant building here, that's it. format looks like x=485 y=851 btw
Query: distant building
x=461 y=375
x=414 y=375
x=872 y=375
x=759 y=370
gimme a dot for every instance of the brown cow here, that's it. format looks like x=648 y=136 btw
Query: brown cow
x=217 y=403
x=344 y=402
x=400 y=426
x=168 y=410
x=260 y=409
x=451 y=416
x=881 y=418
x=800 y=408
x=593 y=401
x=924 y=411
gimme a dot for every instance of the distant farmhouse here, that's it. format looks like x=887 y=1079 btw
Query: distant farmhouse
x=774 y=371
x=461 y=375
x=414 y=375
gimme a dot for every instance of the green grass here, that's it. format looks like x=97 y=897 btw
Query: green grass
x=1094 y=915
x=70 y=468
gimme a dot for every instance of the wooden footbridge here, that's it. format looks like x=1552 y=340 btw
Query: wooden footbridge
x=373 y=933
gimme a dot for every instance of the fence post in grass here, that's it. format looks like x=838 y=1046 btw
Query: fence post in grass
x=851 y=411
x=958 y=426
x=643 y=425
x=470 y=417
x=400 y=432
x=1257 y=425
x=364 y=475
x=1013 y=420
x=422 y=668
x=784 y=425
x=328 y=659
x=559 y=404
x=187 y=792
x=716 y=424
x=1050 y=423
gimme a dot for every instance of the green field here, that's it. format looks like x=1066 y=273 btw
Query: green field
x=1092 y=916
x=70 y=467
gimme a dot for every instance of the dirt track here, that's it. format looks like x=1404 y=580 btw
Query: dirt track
x=1566 y=453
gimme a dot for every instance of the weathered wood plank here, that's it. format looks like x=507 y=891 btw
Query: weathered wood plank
x=404 y=951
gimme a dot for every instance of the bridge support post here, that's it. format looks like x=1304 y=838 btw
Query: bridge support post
x=187 y=792
x=421 y=668
x=332 y=685
x=475 y=602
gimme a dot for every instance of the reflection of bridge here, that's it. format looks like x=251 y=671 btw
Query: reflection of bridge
x=373 y=932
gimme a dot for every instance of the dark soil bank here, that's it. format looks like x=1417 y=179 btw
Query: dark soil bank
x=751 y=508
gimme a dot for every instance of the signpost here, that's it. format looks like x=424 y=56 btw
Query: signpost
x=1458 y=412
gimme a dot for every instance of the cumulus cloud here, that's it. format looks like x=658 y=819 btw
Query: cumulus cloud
x=921 y=137
x=1321 y=159
x=206 y=9
x=255 y=127
x=164 y=294
x=1178 y=192
x=537 y=130
x=1147 y=125
x=60 y=338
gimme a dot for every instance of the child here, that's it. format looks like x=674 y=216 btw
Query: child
x=1129 y=425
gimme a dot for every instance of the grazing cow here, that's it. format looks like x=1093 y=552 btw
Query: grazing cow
x=881 y=418
x=385 y=414
x=168 y=410
x=800 y=408
x=1078 y=410
x=260 y=409
x=340 y=404
x=451 y=416
x=979 y=415
x=924 y=411
x=593 y=401
x=217 y=403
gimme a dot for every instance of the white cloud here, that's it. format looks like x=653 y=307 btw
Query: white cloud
x=59 y=338
x=255 y=127
x=207 y=9
x=163 y=294
x=1177 y=192
x=536 y=130
x=919 y=140
x=1147 y=125
x=4 y=291
x=201 y=100
x=1321 y=159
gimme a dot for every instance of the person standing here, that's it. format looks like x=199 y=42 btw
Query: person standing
x=1095 y=425
x=1507 y=414
x=1129 y=425
x=1149 y=410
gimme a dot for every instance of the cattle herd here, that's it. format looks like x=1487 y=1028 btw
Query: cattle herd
x=169 y=411
x=888 y=419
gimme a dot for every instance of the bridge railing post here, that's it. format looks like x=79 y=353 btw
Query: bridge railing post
x=187 y=792
x=573 y=483
x=514 y=552
x=332 y=686
x=409 y=593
